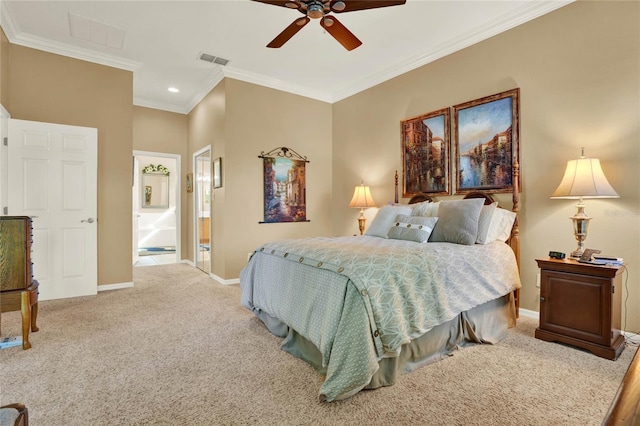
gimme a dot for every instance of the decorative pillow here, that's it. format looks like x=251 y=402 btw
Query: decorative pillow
x=486 y=214
x=425 y=209
x=412 y=228
x=384 y=220
x=500 y=226
x=458 y=221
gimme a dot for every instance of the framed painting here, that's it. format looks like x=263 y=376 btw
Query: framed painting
x=285 y=186
x=486 y=137
x=217 y=173
x=189 y=182
x=425 y=153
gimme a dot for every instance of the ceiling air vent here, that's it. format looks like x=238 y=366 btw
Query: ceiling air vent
x=213 y=59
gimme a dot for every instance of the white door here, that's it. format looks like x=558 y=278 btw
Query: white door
x=53 y=178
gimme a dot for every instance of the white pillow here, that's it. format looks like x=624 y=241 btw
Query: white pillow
x=486 y=214
x=501 y=224
x=426 y=209
x=384 y=219
x=412 y=228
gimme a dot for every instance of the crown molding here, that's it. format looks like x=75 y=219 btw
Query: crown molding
x=273 y=83
x=146 y=103
x=505 y=22
x=39 y=43
x=15 y=35
x=495 y=26
x=215 y=77
x=7 y=22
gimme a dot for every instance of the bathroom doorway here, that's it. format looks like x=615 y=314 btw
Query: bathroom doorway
x=156 y=212
x=202 y=199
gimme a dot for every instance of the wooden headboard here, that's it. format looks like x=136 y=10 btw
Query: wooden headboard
x=514 y=239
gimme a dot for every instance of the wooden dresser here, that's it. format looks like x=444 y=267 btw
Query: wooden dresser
x=18 y=289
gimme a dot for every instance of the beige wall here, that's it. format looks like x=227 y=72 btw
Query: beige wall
x=577 y=69
x=240 y=121
x=258 y=120
x=166 y=132
x=207 y=128
x=56 y=89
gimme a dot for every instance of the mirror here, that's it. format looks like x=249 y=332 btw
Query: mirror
x=155 y=191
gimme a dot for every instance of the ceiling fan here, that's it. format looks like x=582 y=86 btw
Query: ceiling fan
x=319 y=9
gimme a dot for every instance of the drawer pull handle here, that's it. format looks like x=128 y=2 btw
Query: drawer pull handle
x=542 y=299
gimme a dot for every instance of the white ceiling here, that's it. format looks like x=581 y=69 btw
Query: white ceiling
x=163 y=41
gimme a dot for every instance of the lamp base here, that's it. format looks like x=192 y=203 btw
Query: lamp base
x=580 y=229
x=576 y=254
x=361 y=221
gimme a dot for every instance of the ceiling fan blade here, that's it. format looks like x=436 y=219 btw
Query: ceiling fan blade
x=340 y=32
x=288 y=32
x=351 y=5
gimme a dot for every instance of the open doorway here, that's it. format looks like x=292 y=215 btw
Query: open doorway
x=202 y=199
x=155 y=198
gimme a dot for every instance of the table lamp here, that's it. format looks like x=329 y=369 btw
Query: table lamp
x=582 y=179
x=362 y=199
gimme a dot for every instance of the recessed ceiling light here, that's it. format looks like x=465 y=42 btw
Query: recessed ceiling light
x=173 y=90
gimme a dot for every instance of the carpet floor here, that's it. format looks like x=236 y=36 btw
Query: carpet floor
x=179 y=349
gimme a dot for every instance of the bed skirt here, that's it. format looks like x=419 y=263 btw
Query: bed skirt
x=484 y=324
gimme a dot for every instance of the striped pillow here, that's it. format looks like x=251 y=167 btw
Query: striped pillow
x=412 y=228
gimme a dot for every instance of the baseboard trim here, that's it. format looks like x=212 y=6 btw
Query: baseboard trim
x=223 y=281
x=107 y=287
x=529 y=314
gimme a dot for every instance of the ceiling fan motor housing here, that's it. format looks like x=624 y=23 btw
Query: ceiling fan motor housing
x=315 y=10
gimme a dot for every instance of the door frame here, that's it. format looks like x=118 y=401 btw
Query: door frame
x=4 y=165
x=136 y=187
x=196 y=237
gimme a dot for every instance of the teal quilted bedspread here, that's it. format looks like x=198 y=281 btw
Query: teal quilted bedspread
x=359 y=299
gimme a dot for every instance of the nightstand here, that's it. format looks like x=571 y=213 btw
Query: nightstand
x=580 y=306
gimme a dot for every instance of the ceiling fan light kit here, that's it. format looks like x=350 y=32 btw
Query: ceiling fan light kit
x=318 y=9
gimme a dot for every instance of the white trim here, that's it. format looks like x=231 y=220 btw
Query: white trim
x=631 y=337
x=223 y=281
x=8 y=23
x=15 y=35
x=108 y=287
x=502 y=23
x=63 y=49
x=4 y=159
x=196 y=238
x=497 y=25
x=216 y=76
x=273 y=83
x=529 y=314
x=158 y=105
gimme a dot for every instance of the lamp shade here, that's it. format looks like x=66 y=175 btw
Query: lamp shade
x=362 y=198
x=584 y=178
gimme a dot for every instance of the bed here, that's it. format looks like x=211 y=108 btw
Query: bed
x=363 y=310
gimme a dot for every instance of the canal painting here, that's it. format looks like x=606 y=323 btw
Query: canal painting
x=425 y=153
x=486 y=138
x=284 y=190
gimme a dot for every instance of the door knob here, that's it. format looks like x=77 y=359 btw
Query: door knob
x=90 y=220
